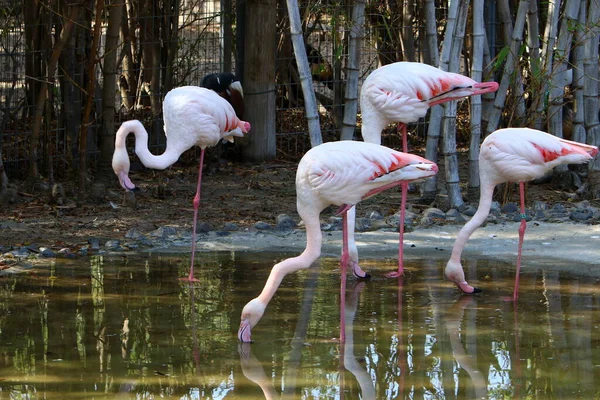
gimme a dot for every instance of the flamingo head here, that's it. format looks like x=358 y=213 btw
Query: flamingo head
x=120 y=164
x=251 y=314
x=455 y=273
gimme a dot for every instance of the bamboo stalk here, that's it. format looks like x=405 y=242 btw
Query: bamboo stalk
x=590 y=88
x=475 y=121
x=310 y=101
x=449 y=122
x=535 y=66
x=510 y=71
x=352 y=69
x=429 y=186
x=579 y=133
x=560 y=65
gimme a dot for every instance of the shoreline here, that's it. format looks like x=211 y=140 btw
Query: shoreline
x=556 y=246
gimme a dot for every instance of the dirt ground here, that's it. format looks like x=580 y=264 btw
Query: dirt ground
x=238 y=193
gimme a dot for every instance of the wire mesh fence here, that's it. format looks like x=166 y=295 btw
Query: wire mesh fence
x=165 y=44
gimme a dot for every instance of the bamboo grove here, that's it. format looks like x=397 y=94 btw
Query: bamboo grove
x=71 y=71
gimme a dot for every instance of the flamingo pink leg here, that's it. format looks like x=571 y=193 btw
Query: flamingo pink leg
x=404 y=188
x=196 y=206
x=522 y=228
x=343 y=266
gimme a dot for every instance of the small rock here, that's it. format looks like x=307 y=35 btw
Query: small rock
x=230 y=226
x=453 y=213
x=375 y=215
x=434 y=214
x=163 y=232
x=510 y=208
x=46 y=252
x=112 y=244
x=285 y=223
x=581 y=215
x=133 y=234
x=262 y=226
x=203 y=227
x=336 y=223
x=94 y=244
x=540 y=205
x=469 y=210
x=362 y=224
x=222 y=233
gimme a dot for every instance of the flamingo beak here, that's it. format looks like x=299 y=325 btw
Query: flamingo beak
x=485 y=87
x=245 y=332
x=126 y=182
x=428 y=167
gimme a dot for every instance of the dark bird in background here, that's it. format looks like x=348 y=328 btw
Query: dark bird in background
x=229 y=87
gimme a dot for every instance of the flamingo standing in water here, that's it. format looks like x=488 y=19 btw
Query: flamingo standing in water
x=339 y=173
x=193 y=116
x=513 y=155
x=403 y=92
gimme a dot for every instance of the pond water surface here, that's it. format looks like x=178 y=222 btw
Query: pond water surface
x=125 y=327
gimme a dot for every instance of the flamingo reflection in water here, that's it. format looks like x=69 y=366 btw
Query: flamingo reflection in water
x=254 y=371
x=453 y=318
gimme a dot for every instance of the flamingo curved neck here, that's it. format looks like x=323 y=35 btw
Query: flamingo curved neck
x=311 y=253
x=483 y=210
x=168 y=158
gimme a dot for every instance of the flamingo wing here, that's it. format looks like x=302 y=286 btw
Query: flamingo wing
x=522 y=154
x=345 y=172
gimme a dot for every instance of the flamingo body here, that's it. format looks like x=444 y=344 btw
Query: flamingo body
x=339 y=173
x=402 y=92
x=513 y=155
x=193 y=116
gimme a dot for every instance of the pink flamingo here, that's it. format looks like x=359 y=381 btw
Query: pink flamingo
x=513 y=155
x=339 y=173
x=193 y=116
x=403 y=92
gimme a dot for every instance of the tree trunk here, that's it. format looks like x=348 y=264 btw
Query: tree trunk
x=109 y=87
x=310 y=101
x=259 y=79
x=89 y=92
x=43 y=93
x=352 y=70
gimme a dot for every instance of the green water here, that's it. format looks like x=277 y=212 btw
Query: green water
x=127 y=328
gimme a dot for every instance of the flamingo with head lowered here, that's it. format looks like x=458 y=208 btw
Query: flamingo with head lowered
x=403 y=92
x=513 y=155
x=339 y=173
x=193 y=116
